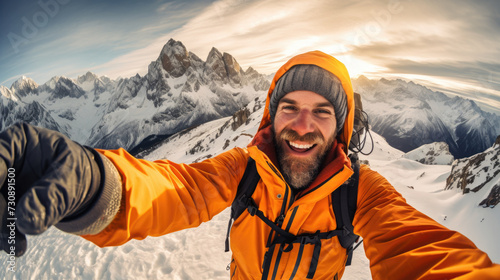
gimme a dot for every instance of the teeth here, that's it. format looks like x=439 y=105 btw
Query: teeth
x=299 y=146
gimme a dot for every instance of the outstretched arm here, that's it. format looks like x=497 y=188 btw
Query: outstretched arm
x=403 y=243
x=109 y=197
x=162 y=197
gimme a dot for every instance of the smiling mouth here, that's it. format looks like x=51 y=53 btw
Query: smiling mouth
x=301 y=148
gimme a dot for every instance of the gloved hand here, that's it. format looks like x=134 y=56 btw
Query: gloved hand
x=45 y=178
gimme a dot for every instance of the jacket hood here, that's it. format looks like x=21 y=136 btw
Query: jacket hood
x=330 y=64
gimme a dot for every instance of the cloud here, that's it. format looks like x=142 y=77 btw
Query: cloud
x=478 y=73
x=276 y=30
x=281 y=29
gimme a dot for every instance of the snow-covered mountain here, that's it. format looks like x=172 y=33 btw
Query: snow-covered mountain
x=433 y=153
x=13 y=109
x=212 y=138
x=409 y=115
x=179 y=91
x=198 y=253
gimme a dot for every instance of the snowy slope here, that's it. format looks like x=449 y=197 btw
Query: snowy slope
x=199 y=253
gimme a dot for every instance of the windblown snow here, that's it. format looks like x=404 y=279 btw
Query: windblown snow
x=199 y=253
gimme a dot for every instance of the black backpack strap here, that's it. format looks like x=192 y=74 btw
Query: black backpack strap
x=246 y=187
x=302 y=240
x=344 y=201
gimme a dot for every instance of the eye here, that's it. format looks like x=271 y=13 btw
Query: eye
x=289 y=108
x=323 y=112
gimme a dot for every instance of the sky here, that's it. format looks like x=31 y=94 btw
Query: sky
x=448 y=45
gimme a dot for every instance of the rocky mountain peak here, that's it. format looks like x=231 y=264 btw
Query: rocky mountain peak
x=362 y=79
x=215 y=67
x=465 y=103
x=60 y=87
x=23 y=86
x=5 y=92
x=224 y=68
x=88 y=77
x=250 y=71
x=233 y=68
x=214 y=55
x=174 y=58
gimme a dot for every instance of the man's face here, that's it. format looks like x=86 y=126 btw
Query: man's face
x=304 y=129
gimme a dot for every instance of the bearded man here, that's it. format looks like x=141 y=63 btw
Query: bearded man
x=300 y=151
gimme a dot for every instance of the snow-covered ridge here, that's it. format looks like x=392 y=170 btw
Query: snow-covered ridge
x=433 y=154
x=211 y=138
x=409 y=115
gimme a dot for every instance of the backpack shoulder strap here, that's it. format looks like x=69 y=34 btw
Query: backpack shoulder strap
x=246 y=187
x=344 y=201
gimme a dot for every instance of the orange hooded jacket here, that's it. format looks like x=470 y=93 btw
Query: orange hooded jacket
x=162 y=197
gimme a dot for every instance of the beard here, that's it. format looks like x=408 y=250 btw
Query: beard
x=299 y=173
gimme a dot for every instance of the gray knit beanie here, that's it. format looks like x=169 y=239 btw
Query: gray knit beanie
x=312 y=78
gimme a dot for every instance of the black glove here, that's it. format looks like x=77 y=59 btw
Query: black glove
x=45 y=178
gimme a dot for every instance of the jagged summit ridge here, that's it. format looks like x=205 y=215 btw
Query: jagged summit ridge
x=88 y=77
x=174 y=58
x=179 y=90
x=23 y=86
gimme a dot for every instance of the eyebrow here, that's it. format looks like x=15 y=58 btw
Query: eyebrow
x=293 y=102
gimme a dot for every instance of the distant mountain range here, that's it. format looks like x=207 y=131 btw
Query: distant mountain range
x=409 y=115
x=179 y=91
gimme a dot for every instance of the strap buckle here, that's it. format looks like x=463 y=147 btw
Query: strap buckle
x=252 y=207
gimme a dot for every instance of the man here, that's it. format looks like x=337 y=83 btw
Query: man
x=109 y=197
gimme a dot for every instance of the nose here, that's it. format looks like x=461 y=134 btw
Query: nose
x=303 y=123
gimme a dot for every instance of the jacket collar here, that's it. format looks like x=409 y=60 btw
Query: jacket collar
x=335 y=161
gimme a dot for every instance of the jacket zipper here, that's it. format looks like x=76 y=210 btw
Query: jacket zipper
x=281 y=248
x=287 y=202
x=280 y=219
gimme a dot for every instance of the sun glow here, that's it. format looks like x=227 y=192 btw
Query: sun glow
x=357 y=67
